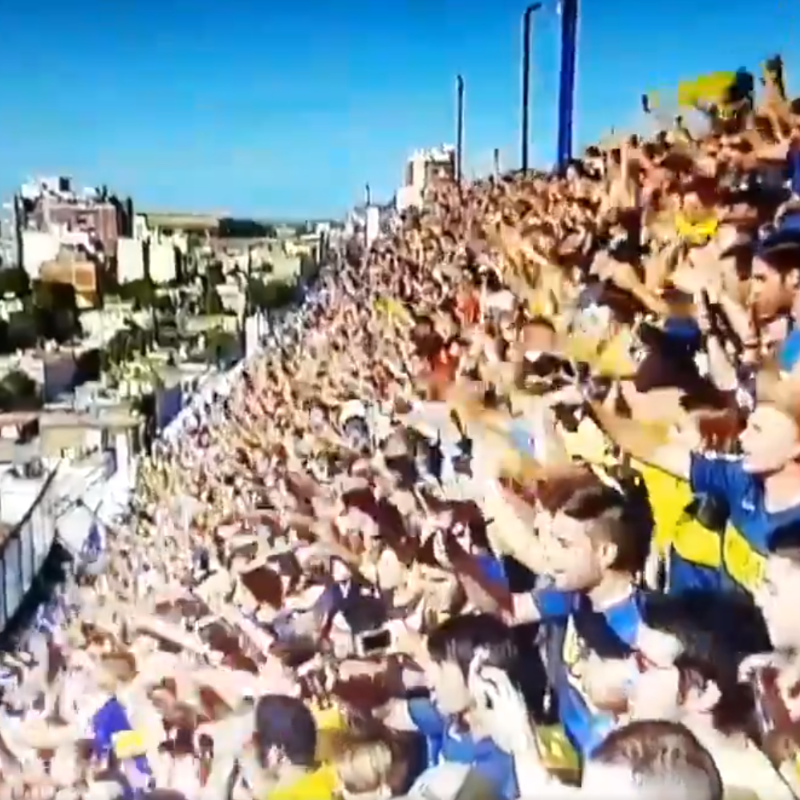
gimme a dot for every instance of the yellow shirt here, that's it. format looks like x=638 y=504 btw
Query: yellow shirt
x=674 y=530
x=558 y=755
x=587 y=442
x=329 y=722
x=669 y=497
x=318 y=785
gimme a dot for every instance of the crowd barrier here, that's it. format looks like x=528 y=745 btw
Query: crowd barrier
x=25 y=549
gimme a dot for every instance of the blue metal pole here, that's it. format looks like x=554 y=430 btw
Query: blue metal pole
x=459 y=128
x=526 y=80
x=566 y=94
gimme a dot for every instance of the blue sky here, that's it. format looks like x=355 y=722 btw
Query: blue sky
x=265 y=108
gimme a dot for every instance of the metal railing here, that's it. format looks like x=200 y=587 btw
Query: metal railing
x=25 y=550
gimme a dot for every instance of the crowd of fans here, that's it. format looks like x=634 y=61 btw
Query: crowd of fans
x=510 y=508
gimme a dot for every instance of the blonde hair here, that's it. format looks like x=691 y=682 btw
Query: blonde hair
x=364 y=763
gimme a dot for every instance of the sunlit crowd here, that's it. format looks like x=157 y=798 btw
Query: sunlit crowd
x=508 y=507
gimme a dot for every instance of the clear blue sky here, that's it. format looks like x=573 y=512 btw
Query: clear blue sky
x=269 y=108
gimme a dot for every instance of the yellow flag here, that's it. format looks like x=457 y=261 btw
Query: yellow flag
x=713 y=88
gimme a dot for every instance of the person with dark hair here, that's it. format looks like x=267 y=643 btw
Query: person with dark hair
x=597 y=539
x=647 y=758
x=778 y=598
x=450 y=718
x=702 y=688
x=286 y=743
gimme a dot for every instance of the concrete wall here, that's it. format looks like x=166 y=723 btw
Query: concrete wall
x=162 y=262
x=37 y=248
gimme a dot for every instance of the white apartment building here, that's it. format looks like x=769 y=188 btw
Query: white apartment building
x=422 y=169
x=53 y=218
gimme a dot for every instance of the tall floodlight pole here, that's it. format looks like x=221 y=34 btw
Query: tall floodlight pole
x=459 y=128
x=367 y=204
x=526 y=80
x=566 y=93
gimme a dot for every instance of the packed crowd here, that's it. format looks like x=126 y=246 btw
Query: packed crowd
x=510 y=508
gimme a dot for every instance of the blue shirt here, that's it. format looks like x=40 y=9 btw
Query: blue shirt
x=108 y=722
x=794 y=170
x=694 y=556
x=745 y=542
x=576 y=630
x=446 y=743
x=789 y=351
x=492 y=568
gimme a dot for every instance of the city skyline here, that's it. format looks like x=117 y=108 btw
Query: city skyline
x=287 y=111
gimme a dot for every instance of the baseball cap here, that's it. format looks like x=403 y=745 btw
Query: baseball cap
x=451 y=781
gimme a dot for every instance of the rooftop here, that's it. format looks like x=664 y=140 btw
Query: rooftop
x=111 y=415
x=181 y=220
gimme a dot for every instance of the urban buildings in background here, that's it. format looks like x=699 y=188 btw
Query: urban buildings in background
x=423 y=168
x=153 y=299
x=66 y=235
x=60 y=234
x=112 y=319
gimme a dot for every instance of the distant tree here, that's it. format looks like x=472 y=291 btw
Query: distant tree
x=56 y=312
x=272 y=295
x=21 y=332
x=230 y=228
x=15 y=280
x=116 y=350
x=194 y=240
x=265 y=268
x=212 y=302
x=19 y=392
x=222 y=347
x=140 y=292
x=164 y=303
x=107 y=283
x=309 y=266
x=167 y=332
x=89 y=366
x=214 y=274
x=141 y=340
x=5 y=348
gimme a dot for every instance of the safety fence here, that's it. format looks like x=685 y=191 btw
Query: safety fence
x=26 y=545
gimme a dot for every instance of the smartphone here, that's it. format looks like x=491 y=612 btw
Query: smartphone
x=378 y=640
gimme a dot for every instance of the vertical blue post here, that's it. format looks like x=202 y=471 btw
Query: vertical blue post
x=566 y=93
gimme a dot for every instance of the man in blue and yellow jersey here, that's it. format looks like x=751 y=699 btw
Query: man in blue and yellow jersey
x=596 y=543
x=687 y=537
x=760 y=490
